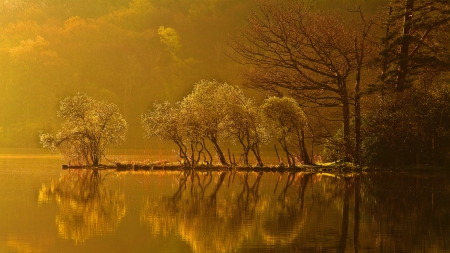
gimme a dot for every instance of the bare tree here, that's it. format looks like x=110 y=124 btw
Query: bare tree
x=310 y=56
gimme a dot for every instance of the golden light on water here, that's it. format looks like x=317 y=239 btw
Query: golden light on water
x=86 y=208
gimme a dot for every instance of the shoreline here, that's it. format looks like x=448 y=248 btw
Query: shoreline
x=301 y=168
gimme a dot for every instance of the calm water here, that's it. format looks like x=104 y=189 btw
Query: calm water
x=45 y=209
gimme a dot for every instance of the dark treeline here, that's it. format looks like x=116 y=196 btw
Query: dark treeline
x=370 y=76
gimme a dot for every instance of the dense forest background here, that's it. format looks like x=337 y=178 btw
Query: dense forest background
x=135 y=52
x=130 y=53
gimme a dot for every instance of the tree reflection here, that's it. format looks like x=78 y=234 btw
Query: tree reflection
x=87 y=208
x=207 y=220
x=328 y=208
x=348 y=184
x=283 y=222
x=301 y=211
x=213 y=216
x=356 y=216
x=411 y=214
x=28 y=244
x=249 y=196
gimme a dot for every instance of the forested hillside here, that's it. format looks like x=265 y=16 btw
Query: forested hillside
x=130 y=53
x=371 y=76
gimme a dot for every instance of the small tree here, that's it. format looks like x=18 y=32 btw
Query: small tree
x=243 y=123
x=166 y=122
x=90 y=126
x=286 y=123
x=205 y=112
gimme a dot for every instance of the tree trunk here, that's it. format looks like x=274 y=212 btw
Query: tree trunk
x=222 y=158
x=404 y=48
x=346 y=118
x=207 y=151
x=246 y=148
x=302 y=146
x=305 y=150
x=386 y=44
x=95 y=162
x=96 y=156
x=183 y=152
x=289 y=157
x=358 y=117
x=255 y=151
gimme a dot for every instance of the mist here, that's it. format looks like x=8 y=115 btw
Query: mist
x=130 y=53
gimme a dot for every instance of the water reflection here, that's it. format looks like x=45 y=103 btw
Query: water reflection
x=207 y=220
x=408 y=211
x=231 y=211
x=291 y=212
x=219 y=212
x=86 y=207
x=284 y=219
x=28 y=245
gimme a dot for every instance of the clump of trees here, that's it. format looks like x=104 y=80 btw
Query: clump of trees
x=217 y=113
x=89 y=127
x=371 y=99
x=372 y=92
x=411 y=127
x=307 y=55
x=407 y=121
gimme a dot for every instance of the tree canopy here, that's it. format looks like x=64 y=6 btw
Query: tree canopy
x=89 y=127
x=287 y=123
x=213 y=112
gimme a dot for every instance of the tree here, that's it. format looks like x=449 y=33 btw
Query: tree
x=406 y=122
x=286 y=123
x=221 y=111
x=170 y=38
x=205 y=111
x=243 y=122
x=414 y=42
x=309 y=56
x=89 y=127
x=213 y=111
x=166 y=122
x=409 y=127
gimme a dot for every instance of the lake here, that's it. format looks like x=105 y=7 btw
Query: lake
x=46 y=209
